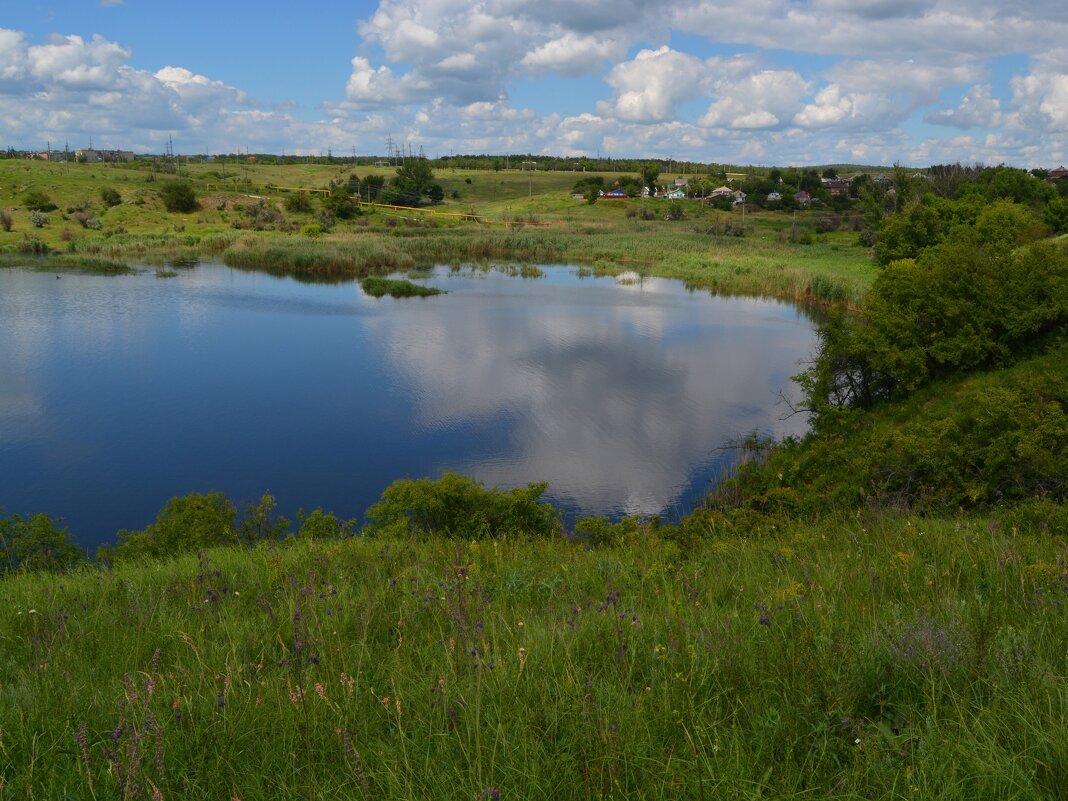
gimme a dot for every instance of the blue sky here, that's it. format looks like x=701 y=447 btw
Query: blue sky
x=766 y=81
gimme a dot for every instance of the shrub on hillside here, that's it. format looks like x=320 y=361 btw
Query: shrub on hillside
x=185 y=523
x=970 y=303
x=457 y=506
x=110 y=196
x=36 y=543
x=298 y=202
x=37 y=200
x=179 y=197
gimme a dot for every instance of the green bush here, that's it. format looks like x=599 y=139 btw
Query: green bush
x=110 y=196
x=297 y=202
x=185 y=523
x=36 y=543
x=320 y=525
x=179 y=197
x=312 y=231
x=37 y=200
x=972 y=302
x=457 y=506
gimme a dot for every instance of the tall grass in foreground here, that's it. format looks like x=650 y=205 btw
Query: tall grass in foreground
x=895 y=658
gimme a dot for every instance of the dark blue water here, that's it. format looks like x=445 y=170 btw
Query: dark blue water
x=117 y=393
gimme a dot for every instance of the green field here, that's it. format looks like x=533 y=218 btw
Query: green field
x=524 y=216
x=849 y=657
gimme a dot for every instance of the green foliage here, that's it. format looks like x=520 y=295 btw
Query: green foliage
x=991 y=440
x=297 y=203
x=38 y=219
x=35 y=543
x=186 y=523
x=311 y=231
x=320 y=525
x=179 y=197
x=413 y=183
x=649 y=174
x=260 y=524
x=110 y=196
x=457 y=506
x=340 y=203
x=587 y=183
x=971 y=302
x=372 y=187
x=37 y=200
x=1055 y=214
x=378 y=287
x=1005 y=183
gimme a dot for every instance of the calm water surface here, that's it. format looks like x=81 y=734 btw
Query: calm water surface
x=117 y=393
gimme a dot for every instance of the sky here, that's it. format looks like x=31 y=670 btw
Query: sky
x=773 y=82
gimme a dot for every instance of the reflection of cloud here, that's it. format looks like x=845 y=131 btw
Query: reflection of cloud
x=615 y=394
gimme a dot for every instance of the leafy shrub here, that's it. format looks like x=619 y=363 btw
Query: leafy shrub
x=6 y=220
x=39 y=219
x=261 y=216
x=320 y=525
x=298 y=202
x=179 y=197
x=312 y=231
x=260 y=524
x=110 y=196
x=36 y=543
x=37 y=200
x=340 y=203
x=186 y=523
x=456 y=506
x=965 y=304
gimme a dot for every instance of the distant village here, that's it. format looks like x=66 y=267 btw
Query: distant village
x=88 y=155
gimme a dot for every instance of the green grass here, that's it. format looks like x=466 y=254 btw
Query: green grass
x=841 y=658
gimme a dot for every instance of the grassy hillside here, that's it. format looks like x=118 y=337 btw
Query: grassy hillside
x=896 y=657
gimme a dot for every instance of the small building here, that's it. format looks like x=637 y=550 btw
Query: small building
x=93 y=156
x=721 y=191
x=1057 y=174
x=774 y=197
x=614 y=194
x=837 y=186
x=803 y=198
x=682 y=182
x=674 y=194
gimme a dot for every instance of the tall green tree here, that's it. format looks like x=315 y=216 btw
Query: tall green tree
x=413 y=182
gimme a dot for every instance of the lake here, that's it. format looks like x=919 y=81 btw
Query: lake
x=118 y=392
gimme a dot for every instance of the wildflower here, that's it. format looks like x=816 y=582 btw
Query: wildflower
x=522 y=657
x=320 y=690
x=33 y=611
